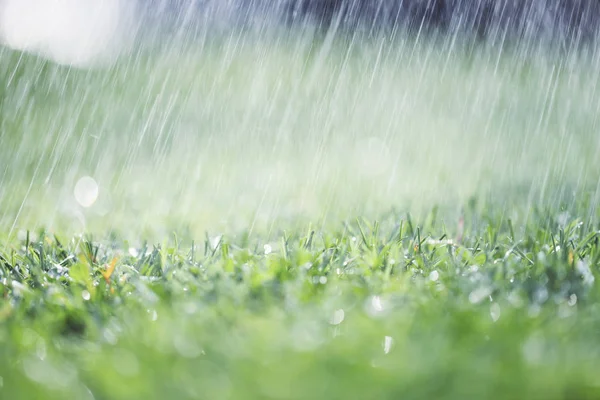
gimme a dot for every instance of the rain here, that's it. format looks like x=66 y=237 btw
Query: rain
x=219 y=115
x=299 y=198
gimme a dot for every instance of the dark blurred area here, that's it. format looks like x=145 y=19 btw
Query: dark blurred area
x=564 y=22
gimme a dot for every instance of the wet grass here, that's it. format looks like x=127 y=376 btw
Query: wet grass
x=274 y=148
x=482 y=306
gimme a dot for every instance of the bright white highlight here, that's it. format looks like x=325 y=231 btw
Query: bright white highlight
x=72 y=32
x=86 y=191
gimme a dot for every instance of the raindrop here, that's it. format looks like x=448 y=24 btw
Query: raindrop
x=375 y=306
x=268 y=249
x=215 y=242
x=434 y=276
x=495 y=312
x=323 y=280
x=376 y=303
x=86 y=191
x=85 y=295
x=388 y=343
x=572 y=300
x=477 y=295
x=338 y=317
x=153 y=315
x=541 y=295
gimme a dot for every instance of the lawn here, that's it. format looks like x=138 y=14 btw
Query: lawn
x=295 y=217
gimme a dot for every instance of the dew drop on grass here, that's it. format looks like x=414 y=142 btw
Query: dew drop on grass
x=85 y=295
x=572 y=300
x=86 y=191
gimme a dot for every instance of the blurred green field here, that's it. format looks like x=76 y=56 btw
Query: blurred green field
x=223 y=133
x=232 y=251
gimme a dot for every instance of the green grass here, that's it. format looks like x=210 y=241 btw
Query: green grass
x=483 y=308
x=480 y=168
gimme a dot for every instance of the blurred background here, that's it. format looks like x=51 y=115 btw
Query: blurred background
x=152 y=117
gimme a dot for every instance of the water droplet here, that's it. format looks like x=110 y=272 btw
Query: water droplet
x=215 y=242
x=388 y=343
x=477 y=295
x=323 y=280
x=495 y=312
x=268 y=249
x=375 y=306
x=376 y=303
x=572 y=300
x=541 y=295
x=338 y=317
x=85 y=295
x=434 y=276
x=153 y=315
x=86 y=191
